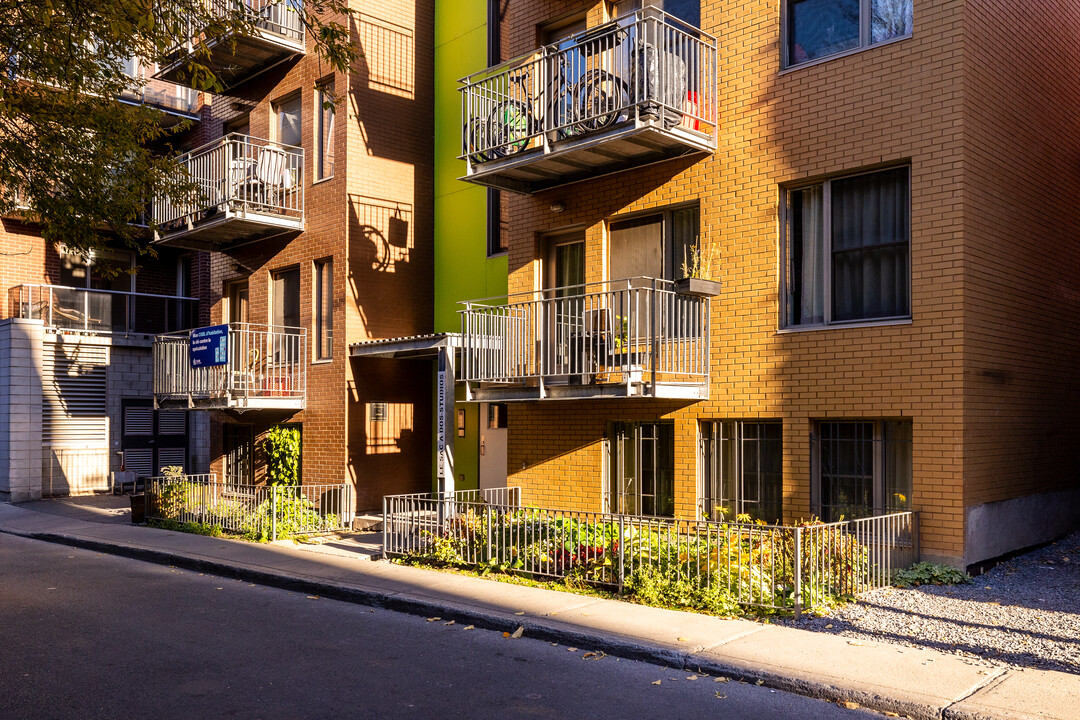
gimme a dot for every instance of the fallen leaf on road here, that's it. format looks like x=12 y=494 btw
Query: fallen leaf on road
x=759 y=683
x=520 y=613
x=588 y=655
x=890 y=713
x=692 y=677
x=449 y=623
x=312 y=597
x=518 y=632
x=506 y=634
x=721 y=696
x=849 y=705
x=829 y=626
x=656 y=683
x=469 y=627
x=721 y=679
x=683 y=640
x=433 y=619
x=571 y=649
x=854 y=642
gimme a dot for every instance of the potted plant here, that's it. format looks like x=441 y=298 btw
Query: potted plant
x=697 y=277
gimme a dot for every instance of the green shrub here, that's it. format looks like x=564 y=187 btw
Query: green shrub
x=295 y=514
x=282 y=447
x=928 y=573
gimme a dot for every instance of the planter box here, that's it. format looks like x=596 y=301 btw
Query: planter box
x=697 y=287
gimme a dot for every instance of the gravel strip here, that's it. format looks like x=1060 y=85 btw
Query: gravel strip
x=1024 y=612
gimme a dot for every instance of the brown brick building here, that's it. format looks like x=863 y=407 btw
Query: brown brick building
x=886 y=192
x=318 y=219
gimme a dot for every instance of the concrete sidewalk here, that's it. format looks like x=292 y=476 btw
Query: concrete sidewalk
x=914 y=682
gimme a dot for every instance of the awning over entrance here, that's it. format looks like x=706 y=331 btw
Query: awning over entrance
x=439 y=346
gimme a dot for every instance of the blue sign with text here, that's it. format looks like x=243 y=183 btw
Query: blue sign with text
x=209 y=346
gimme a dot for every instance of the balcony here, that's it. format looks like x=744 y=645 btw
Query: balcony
x=278 y=36
x=626 y=338
x=248 y=189
x=263 y=368
x=101 y=311
x=638 y=90
x=178 y=102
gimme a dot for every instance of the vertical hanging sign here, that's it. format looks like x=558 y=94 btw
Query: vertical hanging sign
x=441 y=415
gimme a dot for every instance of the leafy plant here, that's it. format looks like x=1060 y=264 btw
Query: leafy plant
x=196 y=528
x=282 y=448
x=287 y=512
x=928 y=573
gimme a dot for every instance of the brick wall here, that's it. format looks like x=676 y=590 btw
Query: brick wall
x=895 y=103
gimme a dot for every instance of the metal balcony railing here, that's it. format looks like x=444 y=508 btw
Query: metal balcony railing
x=627 y=331
x=646 y=70
x=278 y=34
x=265 y=368
x=108 y=311
x=237 y=175
x=167 y=96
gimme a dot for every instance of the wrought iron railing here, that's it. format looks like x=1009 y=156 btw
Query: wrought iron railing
x=789 y=567
x=264 y=363
x=238 y=173
x=111 y=311
x=623 y=330
x=647 y=66
x=264 y=511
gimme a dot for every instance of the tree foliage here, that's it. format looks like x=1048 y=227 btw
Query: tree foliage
x=85 y=164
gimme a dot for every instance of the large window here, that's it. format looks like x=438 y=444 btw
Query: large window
x=324 y=309
x=686 y=10
x=819 y=28
x=286 y=301
x=742 y=470
x=861 y=468
x=657 y=246
x=641 y=474
x=324 y=111
x=847 y=250
x=288 y=122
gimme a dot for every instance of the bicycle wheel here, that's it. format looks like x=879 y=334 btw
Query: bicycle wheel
x=601 y=101
x=476 y=142
x=510 y=128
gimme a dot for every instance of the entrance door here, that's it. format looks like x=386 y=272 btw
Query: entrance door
x=238 y=301
x=152 y=439
x=564 y=308
x=492 y=445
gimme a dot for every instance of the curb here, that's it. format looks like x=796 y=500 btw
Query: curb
x=533 y=628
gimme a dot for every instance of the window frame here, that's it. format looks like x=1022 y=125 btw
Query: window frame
x=827 y=253
x=672 y=270
x=865 y=36
x=277 y=106
x=612 y=460
x=880 y=454
x=324 y=136
x=323 y=347
x=709 y=465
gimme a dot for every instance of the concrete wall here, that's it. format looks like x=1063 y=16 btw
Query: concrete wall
x=20 y=410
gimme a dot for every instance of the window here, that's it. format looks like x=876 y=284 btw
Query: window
x=641 y=473
x=861 y=468
x=324 y=110
x=688 y=11
x=496 y=416
x=237 y=293
x=288 y=122
x=286 y=307
x=497 y=223
x=846 y=250
x=742 y=470
x=820 y=28
x=324 y=309
x=656 y=246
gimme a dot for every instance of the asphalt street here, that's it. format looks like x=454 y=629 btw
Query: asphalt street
x=89 y=636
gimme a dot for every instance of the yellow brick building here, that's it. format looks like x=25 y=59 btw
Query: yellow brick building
x=887 y=194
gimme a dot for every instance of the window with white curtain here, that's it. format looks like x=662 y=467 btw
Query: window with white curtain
x=816 y=29
x=846 y=247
